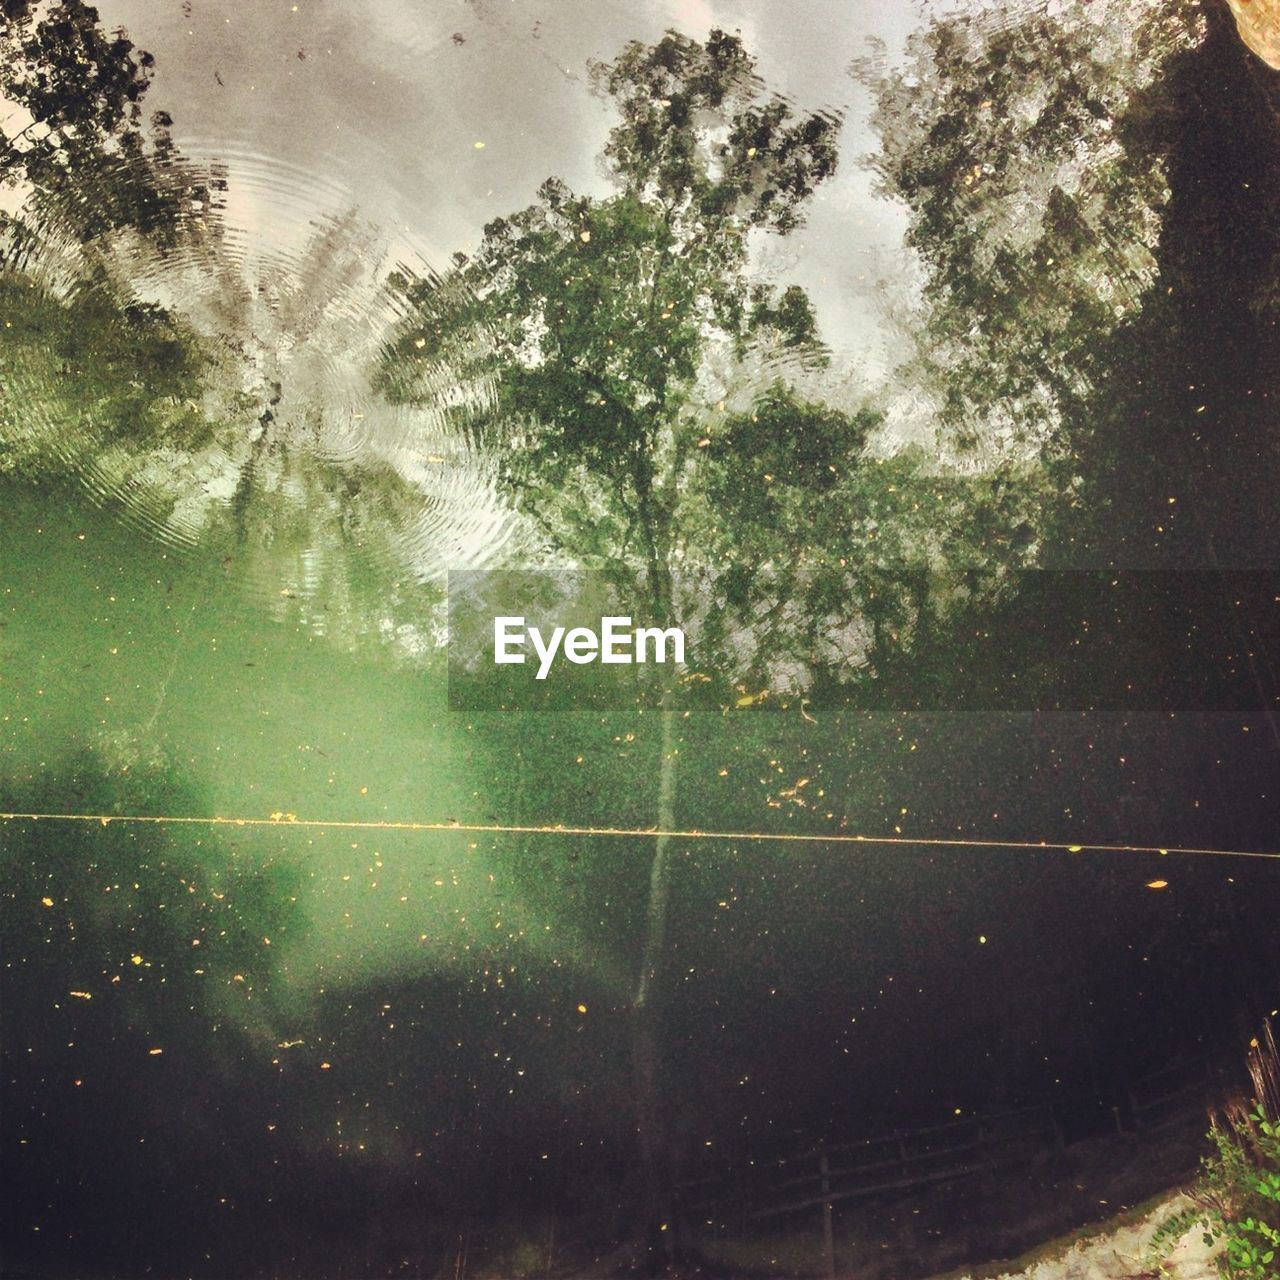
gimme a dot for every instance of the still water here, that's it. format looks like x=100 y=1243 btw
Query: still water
x=313 y=969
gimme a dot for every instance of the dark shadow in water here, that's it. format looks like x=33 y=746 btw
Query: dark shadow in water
x=135 y=989
x=1189 y=394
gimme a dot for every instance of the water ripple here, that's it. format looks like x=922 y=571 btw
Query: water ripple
x=271 y=440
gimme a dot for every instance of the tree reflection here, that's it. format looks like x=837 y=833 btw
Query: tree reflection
x=1081 y=185
x=646 y=403
x=78 y=140
x=209 y=396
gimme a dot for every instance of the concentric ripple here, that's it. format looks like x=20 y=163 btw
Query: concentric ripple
x=214 y=388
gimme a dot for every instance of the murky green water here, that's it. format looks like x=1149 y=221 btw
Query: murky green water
x=309 y=969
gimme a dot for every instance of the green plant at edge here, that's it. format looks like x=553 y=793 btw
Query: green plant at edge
x=1237 y=1199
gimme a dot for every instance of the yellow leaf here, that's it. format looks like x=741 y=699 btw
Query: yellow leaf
x=1157 y=884
x=48 y=902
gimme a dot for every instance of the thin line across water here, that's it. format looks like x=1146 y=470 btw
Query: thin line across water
x=561 y=829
